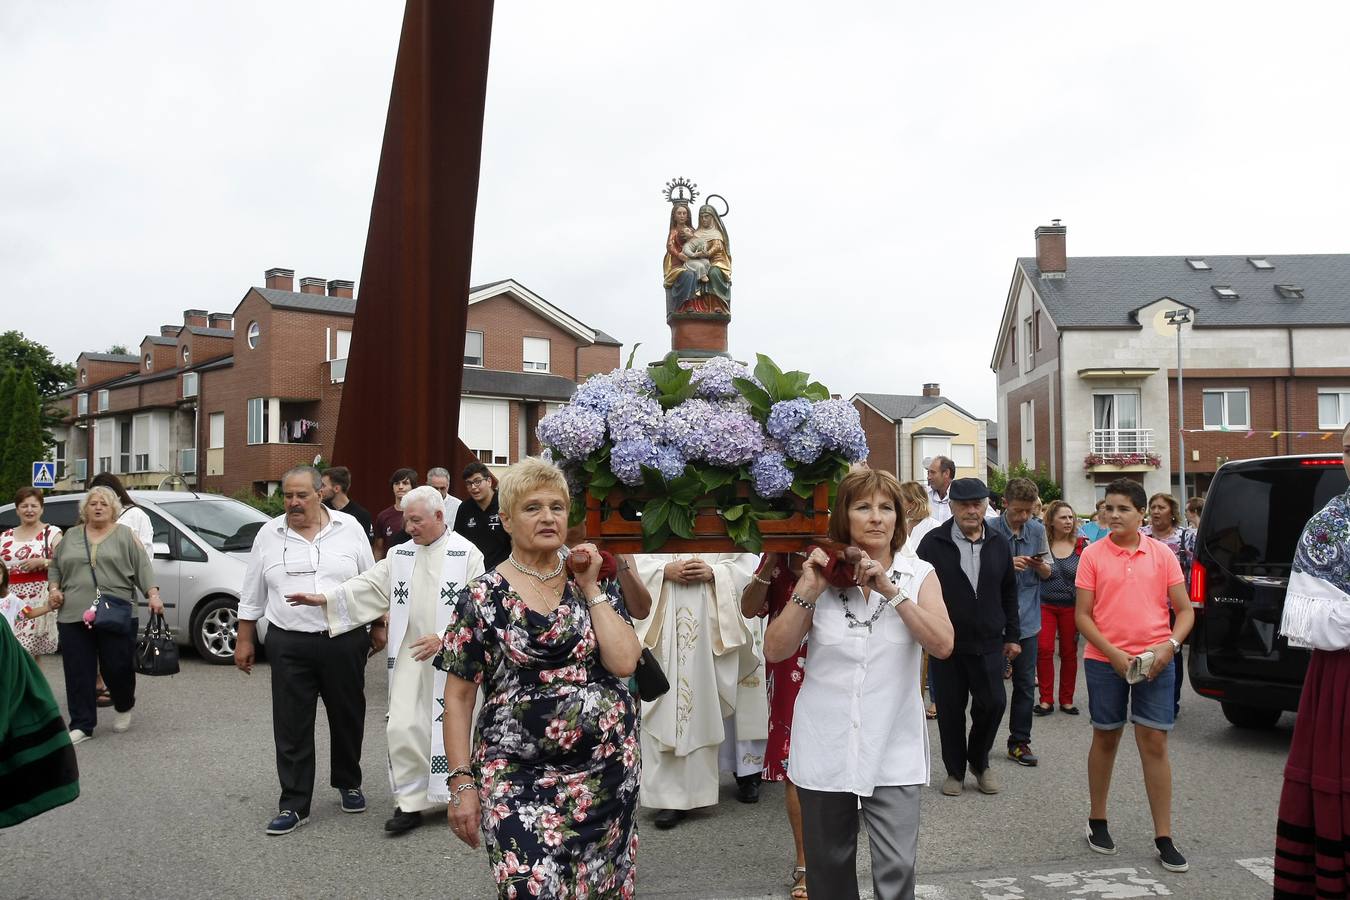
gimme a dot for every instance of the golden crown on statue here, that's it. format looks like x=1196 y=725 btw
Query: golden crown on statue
x=681 y=190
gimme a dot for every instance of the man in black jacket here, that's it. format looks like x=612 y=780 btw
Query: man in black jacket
x=975 y=569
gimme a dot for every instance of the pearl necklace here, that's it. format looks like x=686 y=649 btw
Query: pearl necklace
x=542 y=576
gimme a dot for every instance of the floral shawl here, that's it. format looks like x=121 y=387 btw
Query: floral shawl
x=1321 y=576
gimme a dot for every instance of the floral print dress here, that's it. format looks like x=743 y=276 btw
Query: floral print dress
x=557 y=753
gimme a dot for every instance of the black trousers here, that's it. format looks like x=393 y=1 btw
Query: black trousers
x=964 y=678
x=84 y=651
x=305 y=667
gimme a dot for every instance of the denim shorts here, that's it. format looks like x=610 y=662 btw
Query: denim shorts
x=1151 y=703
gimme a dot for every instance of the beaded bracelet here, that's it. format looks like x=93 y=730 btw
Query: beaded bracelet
x=804 y=604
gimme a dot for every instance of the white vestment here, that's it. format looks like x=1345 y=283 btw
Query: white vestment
x=414 y=578
x=713 y=658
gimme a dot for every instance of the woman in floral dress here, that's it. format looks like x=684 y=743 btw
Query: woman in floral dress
x=552 y=781
x=26 y=551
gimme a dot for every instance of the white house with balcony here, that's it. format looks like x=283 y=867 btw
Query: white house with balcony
x=1087 y=363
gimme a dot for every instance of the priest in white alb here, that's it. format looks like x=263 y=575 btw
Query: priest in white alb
x=715 y=716
x=415 y=585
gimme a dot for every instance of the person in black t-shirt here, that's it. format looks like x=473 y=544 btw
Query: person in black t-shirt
x=389 y=531
x=478 y=520
x=337 y=482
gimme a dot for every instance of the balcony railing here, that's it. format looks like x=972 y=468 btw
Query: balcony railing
x=1110 y=441
x=187 y=460
x=337 y=370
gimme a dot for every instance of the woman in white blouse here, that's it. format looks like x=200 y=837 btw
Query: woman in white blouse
x=858 y=730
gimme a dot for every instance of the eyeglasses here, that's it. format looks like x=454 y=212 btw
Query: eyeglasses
x=476 y=482
x=299 y=568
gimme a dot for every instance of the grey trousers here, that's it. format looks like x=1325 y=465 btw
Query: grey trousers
x=830 y=836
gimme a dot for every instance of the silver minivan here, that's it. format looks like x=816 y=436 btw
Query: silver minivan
x=202 y=542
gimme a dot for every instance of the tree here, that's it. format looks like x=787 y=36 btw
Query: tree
x=1045 y=485
x=50 y=376
x=23 y=443
x=119 y=350
x=8 y=381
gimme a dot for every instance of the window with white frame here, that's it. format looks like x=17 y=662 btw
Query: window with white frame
x=344 y=344
x=963 y=455
x=485 y=428
x=1333 y=407
x=216 y=436
x=473 y=348
x=103 y=401
x=124 y=447
x=258 y=409
x=140 y=443
x=1028 y=421
x=82 y=405
x=103 y=446
x=536 y=354
x=927 y=447
x=1227 y=409
x=189 y=384
x=59 y=457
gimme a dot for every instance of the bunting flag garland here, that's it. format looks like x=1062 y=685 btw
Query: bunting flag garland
x=1321 y=436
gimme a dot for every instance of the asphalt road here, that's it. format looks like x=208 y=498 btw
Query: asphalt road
x=176 y=808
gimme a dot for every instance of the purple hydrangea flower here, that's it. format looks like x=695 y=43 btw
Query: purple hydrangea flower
x=669 y=461
x=626 y=459
x=772 y=476
x=573 y=432
x=600 y=392
x=786 y=417
x=805 y=445
x=840 y=427
x=712 y=380
x=633 y=416
x=685 y=427
x=733 y=437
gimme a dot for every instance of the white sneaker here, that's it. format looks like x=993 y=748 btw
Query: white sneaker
x=122 y=721
x=79 y=737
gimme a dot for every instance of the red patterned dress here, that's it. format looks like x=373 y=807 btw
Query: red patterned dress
x=784 y=681
x=28 y=588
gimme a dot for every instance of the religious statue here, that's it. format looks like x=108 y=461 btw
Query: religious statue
x=697 y=265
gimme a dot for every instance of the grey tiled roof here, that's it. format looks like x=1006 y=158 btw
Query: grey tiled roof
x=307 y=302
x=1102 y=291
x=113 y=357
x=602 y=337
x=930 y=431
x=161 y=340
x=210 y=332
x=906 y=406
x=531 y=385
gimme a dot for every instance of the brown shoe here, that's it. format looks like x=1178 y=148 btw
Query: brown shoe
x=987 y=781
x=953 y=787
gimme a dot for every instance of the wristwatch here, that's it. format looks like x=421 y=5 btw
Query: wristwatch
x=1176 y=644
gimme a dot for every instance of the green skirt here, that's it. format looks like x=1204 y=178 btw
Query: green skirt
x=38 y=771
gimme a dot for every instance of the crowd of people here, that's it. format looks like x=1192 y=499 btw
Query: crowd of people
x=512 y=644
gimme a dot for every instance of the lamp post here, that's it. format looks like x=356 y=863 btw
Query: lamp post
x=1179 y=317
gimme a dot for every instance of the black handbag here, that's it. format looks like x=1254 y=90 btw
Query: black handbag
x=156 y=652
x=111 y=614
x=651 y=681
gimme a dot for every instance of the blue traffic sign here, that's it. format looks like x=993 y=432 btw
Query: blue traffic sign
x=44 y=474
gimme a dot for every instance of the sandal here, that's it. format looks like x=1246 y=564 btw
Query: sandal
x=798 y=891
x=103 y=698
x=931 y=711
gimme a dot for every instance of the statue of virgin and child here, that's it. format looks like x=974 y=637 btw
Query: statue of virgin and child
x=697 y=265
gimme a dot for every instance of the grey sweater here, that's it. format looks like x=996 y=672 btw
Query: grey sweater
x=119 y=559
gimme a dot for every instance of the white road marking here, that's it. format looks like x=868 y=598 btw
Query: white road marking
x=1107 y=884
x=1262 y=867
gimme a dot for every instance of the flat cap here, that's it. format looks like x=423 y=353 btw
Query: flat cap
x=968 y=489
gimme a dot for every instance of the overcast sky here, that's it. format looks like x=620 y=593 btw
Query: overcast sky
x=885 y=163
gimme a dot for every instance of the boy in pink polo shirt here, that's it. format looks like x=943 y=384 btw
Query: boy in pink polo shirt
x=1125 y=586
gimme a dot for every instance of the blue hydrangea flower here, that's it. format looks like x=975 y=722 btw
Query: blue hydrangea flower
x=786 y=417
x=669 y=461
x=712 y=380
x=626 y=459
x=600 y=392
x=574 y=431
x=633 y=416
x=840 y=427
x=805 y=445
x=733 y=437
x=685 y=427
x=772 y=476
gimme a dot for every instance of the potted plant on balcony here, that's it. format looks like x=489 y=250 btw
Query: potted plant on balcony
x=703 y=459
x=1122 y=460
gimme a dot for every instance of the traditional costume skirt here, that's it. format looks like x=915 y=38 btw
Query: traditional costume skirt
x=1312 y=842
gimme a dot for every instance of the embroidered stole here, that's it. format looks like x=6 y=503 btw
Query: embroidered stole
x=453 y=576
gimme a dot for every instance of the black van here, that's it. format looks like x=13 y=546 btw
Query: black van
x=1254 y=513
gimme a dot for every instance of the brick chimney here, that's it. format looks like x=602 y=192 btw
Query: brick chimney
x=312 y=285
x=932 y=389
x=221 y=320
x=194 y=318
x=170 y=330
x=1051 y=256
x=281 y=279
x=340 y=288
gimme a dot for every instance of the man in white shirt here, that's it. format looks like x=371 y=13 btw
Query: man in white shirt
x=415 y=585
x=941 y=472
x=439 y=478
x=308 y=549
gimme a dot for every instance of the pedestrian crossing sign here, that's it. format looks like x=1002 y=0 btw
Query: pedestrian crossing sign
x=44 y=474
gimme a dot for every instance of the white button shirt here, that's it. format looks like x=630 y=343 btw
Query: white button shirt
x=859 y=720
x=284 y=562
x=939 y=508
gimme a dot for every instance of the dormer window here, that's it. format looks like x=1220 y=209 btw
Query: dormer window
x=1260 y=263
x=1197 y=265
x=187 y=355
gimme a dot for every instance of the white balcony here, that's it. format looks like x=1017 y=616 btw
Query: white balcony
x=1112 y=441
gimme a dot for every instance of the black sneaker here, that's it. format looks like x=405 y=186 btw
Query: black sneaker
x=353 y=801
x=1170 y=856
x=747 y=788
x=1099 y=839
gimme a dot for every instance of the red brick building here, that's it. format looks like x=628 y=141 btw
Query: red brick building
x=1086 y=362
x=228 y=401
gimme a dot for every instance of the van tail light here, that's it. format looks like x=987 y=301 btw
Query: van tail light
x=1198 y=579
x=1333 y=461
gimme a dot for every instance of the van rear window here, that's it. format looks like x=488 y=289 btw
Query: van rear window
x=1253 y=517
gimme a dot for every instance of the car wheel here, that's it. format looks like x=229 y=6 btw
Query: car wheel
x=1250 y=716
x=214 y=630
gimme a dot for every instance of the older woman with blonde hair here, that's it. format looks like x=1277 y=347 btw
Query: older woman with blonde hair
x=552 y=783
x=98 y=558
x=858 y=732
